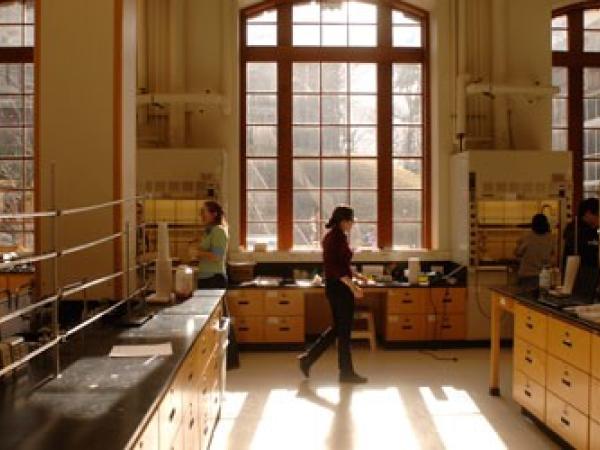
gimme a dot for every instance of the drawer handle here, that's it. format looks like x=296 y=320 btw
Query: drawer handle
x=172 y=415
x=192 y=422
x=529 y=325
x=243 y=328
x=529 y=360
x=447 y=300
x=407 y=301
x=565 y=382
x=446 y=326
x=407 y=327
x=565 y=421
x=284 y=328
x=567 y=343
x=284 y=302
x=190 y=376
x=527 y=393
x=243 y=302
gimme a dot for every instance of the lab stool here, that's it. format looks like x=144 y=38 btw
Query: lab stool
x=365 y=314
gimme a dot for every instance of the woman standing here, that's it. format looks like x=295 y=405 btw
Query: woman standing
x=341 y=292
x=213 y=248
x=534 y=251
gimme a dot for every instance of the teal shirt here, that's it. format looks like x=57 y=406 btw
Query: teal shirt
x=215 y=241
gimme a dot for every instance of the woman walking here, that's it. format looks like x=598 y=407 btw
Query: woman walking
x=341 y=293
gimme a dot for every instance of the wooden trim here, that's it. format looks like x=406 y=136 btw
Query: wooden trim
x=37 y=180
x=118 y=140
x=18 y=54
x=333 y=54
x=242 y=161
x=589 y=4
x=427 y=203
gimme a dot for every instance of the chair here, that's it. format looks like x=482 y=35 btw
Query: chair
x=365 y=314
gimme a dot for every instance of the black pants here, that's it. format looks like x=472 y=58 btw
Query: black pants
x=341 y=301
x=219 y=281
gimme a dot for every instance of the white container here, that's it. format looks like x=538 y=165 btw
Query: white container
x=546 y=279
x=414 y=269
x=184 y=282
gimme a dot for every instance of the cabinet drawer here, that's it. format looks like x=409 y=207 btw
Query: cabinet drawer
x=530 y=360
x=405 y=327
x=284 y=329
x=284 y=303
x=567 y=422
x=171 y=413
x=594 y=435
x=246 y=303
x=569 y=383
x=451 y=327
x=529 y=394
x=596 y=356
x=191 y=422
x=407 y=301
x=569 y=343
x=149 y=438
x=595 y=399
x=447 y=301
x=249 y=329
x=531 y=326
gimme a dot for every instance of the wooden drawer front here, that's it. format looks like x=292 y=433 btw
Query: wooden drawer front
x=149 y=438
x=569 y=343
x=529 y=394
x=595 y=399
x=249 y=329
x=246 y=303
x=596 y=356
x=284 y=303
x=530 y=360
x=405 y=327
x=171 y=414
x=447 y=301
x=569 y=383
x=407 y=301
x=284 y=329
x=452 y=327
x=594 y=435
x=191 y=422
x=567 y=422
x=531 y=326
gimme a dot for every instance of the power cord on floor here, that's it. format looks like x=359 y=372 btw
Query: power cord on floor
x=438 y=358
x=431 y=353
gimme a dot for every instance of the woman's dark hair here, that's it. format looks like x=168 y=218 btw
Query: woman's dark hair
x=540 y=224
x=339 y=214
x=216 y=209
x=588 y=205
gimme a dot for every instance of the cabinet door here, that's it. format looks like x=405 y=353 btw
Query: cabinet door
x=566 y=421
x=596 y=356
x=149 y=438
x=529 y=394
x=171 y=412
x=447 y=301
x=284 y=303
x=407 y=301
x=595 y=400
x=246 y=302
x=594 y=435
x=179 y=440
x=569 y=383
x=284 y=329
x=570 y=343
x=249 y=329
x=405 y=327
x=531 y=326
x=451 y=327
x=530 y=360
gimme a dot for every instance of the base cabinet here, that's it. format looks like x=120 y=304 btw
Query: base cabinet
x=594 y=435
x=566 y=421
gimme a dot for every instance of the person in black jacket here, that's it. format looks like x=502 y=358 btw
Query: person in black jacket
x=587 y=234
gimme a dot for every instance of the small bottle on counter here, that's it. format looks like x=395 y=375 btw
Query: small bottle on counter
x=546 y=279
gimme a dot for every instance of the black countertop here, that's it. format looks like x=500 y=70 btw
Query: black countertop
x=101 y=402
x=532 y=299
x=385 y=285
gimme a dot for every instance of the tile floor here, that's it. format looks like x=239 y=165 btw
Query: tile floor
x=411 y=402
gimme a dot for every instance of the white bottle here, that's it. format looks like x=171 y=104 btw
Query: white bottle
x=546 y=279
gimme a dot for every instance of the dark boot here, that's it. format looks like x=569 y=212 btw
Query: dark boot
x=352 y=378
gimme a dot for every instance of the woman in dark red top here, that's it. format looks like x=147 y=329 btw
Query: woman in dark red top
x=341 y=292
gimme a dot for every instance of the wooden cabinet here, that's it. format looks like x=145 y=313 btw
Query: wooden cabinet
x=149 y=438
x=447 y=301
x=530 y=360
x=284 y=329
x=284 y=303
x=531 y=326
x=529 y=394
x=569 y=343
x=594 y=435
x=595 y=399
x=569 y=383
x=246 y=302
x=449 y=327
x=407 y=301
x=405 y=327
x=170 y=412
x=249 y=329
x=565 y=420
x=596 y=356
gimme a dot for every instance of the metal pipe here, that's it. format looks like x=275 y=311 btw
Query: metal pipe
x=28 y=260
x=83 y=209
x=56 y=270
x=89 y=284
x=91 y=244
x=30 y=356
x=22 y=311
x=32 y=215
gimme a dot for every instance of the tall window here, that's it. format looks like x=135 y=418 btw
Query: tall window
x=334 y=112
x=576 y=108
x=16 y=121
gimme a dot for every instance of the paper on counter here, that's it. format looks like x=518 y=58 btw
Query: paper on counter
x=141 y=351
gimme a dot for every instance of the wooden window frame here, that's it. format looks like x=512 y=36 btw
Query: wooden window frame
x=384 y=55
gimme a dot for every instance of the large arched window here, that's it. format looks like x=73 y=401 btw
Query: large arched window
x=576 y=109
x=334 y=110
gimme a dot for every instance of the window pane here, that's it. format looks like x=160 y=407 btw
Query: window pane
x=29 y=173
x=591 y=176
x=11 y=110
x=306 y=205
x=591 y=147
x=307 y=235
x=559 y=112
x=262 y=233
x=11 y=36
x=408 y=141
x=11 y=141
x=591 y=113
x=11 y=78
x=334 y=35
x=262 y=35
x=334 y=12
x=335 y=109
x=407 y=235
x=363 y=141
x=591 y=41
x=261 y=109
x=365 y=205
x=335 y=174
x=408 y=206
x=29 y=79
x=306 y=174
x=262 y=174
x=335 y=77
x=591 y=19
x=30 y=11
x=306 y=109
x=307 y=35
x=407 y=109
x=362 y=35
x=560 y=140
x=560 y=80
x=363 y=174
x=335 y=141
x=407 y=79
x=591 y=82
x=11 y=12
x=364 y=235
x=331 y=199
x=306 y=141
x=363 y=110
x=29 y=35
x=361 y=12
x=363 y=78
x=560 y=40
x=307 y=12
x=262 y=206
x=398 y=18
x=559 y=22
x=265 y=17
x=11 y=174
x=306 y=77
x=261 y=77
x=406 y=36
x=261 y=141
x=408 y=173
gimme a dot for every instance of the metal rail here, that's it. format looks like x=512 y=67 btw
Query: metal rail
x=91 y=244
x=29 y=357
x=85 y=209
x=28 y=260
x=32 y=215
